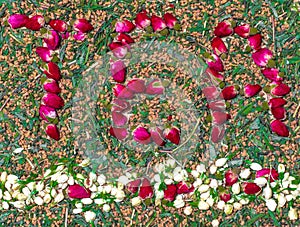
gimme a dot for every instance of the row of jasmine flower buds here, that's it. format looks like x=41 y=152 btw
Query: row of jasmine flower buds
x=263 y=58
x=121 y=109
x=216 y=186
x=58 y=30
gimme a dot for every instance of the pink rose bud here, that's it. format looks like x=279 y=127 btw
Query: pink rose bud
x=119 y=119
x=218 y=46
x=214 y=74
x=262 y=56
x=136 y=85
x=52 y=40
x=51 y=86
x=252 y=89
x=122 y=92
x=170 y=192
x=158 y=23
x=118 y=49
x=35 y=23
x=52 y=71
x=217 y=133
x=215 y=64
x=279 y=128
x=146 y=191
x=125 y=39
x=52 y=131
x=79 y=36
x=77 y=191
x=120 y=105
x=211 y=92
x=58 y=25
x=118 y=71
x=157 y=136
x=170 y=20
x=243 y=30
x=217 y=105
x=141 y=135
x=47 y=113
x=278 y=112
x=173 y=135
x=82 y=25
x=17 y=20
x=183 y=188
x=280 y=90
x=65 y=35
x=251 y=188
x=223 y=29
x=119 y=133
x=255 y=41
x=272 y=74
x=268 y=173
x=155 y=87
x=53 y=100
x=142 y=20
x=229 y=92
x=230 y=178
x=133 y=186
x=225 y=196
x=44 y=53
x=220 y=117
x=277 y=102
x=124 y=26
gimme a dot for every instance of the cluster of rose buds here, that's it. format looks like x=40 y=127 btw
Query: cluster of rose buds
x=55 y=31
x=120 y=48
x=261 y=57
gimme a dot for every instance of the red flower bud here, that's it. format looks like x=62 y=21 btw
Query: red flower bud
x=220 y=117
x=251 y=188
x=119 y=119
x=170 y=192
x=252 y=89
x=217 y=133
x=217 y=105
x=44 y=53
x=53 y=100
x=119 y=133
x=272 y=74
x=65 y=35
x=118 y=49
x=214 y=74
x=278 y=112
x=262 y=56
x=280 y=90
x=218 y=46
x=183 y=188
x=17 y=20
x=118 y=71
x=211 y=92
x=82 y=25
x=155 y=87
x=52 y=131
x=47 y=113
x=122 y=92
x=277 y=102
x=35 y=23
x=215 y=64
x=170 y=20
x=141 y=135
x=158 y=24
x=146 y=190
x=136 y=85
x=52 y=71
x=142 y=20
x=230 y=178
x=52 y=40
x=255 y=41
x=223 y=29
x=52 y=86
x=225 y=196
x=279 y=128
x=242 y=30
x=79 y=36
x=268 y=173
x=157 y=136
x=173 y=135
x=125 y=39
x=120 y=105
x=77 y=191
x=133 y=186
x=58 y=25
x=124 y=26
x=229 y=93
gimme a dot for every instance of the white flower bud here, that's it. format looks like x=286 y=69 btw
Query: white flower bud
x=77 y=211
x=203 y=205
x=244 y=201
x=210 y=201
x=293 y=215
x=18 y=204
x=273 y=184
x=228 y=209
x=18 y=150
x=215 y=223
x=123 y=179
x=38 y=201
x=5 y=205
x=178 y=203
x=255 y=166
x=213 y=169
x=80 y=176
x=6 y=196
x=106 y=207
x=120 y=195
x=285 y=184
x=87 y=201
x=201 y=168
x=40 y=186
x=271 y=204
x=203 y=188
x=221 y=205
x=237 y=206
x=15 y=186
x=281 y=168
x=59 y=197
x=290 y=197
x=7 y=185
x=21 y=197
x=99 y=201
x=136 y=201
x=281 y=200
x=221 y=162
x=204 y=196
x=62 y=178
x=195 y=173
x=47 y=173
x=188 y=210
x=260 y=181
x=47 y=198
x=12 y=178
x=85 y=162
x=160 y=167
x=286 y=176
x=267 y=192
x=55 y=176
x=89 y=216
x=236 y=189
x=197 y=183
x=159 y=194
x=245 y=173
x=178 y=177
x=3 y=176
x=1 y=193
x=53 y=192
x=101 y=179
x=168 y=181
x=213 y=183
x=71 y=180
x=78 y=205
x=171 y=163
